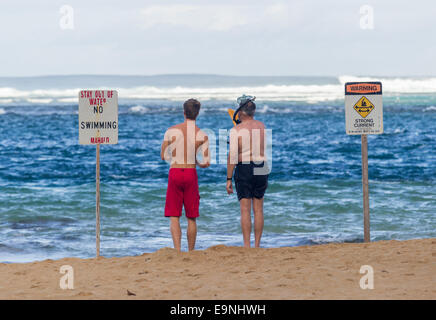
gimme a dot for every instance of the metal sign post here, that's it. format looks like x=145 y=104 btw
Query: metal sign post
x=98 y=124
x=364 y=115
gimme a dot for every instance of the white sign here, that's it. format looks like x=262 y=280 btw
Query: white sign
x=98 y=117
x=363 y=108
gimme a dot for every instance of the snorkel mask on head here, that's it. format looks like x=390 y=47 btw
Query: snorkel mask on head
x=242 y=101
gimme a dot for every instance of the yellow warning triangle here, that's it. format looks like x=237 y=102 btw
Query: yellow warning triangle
x=363 y=107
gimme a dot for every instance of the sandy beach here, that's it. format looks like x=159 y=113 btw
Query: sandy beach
x=402 y=270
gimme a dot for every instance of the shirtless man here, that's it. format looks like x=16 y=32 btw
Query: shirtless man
x=181 y=146
x=246 y=153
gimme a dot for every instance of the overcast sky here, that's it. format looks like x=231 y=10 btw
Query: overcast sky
x=256 y=37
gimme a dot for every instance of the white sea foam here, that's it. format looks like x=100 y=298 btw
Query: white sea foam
x=314 y=93
x=398 y=85
x=67 y=100
x=309 y=93
x=2 y=111
x=431 y=108
x=400 y=130
x=39 y=100
x=138 y=109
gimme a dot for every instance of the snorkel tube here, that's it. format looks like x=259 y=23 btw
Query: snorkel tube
x=242 y=101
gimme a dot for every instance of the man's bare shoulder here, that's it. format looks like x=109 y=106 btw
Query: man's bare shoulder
x=255 y=124
x=173 y=131
x=239 y=126
x=176 y=126
x=260 y=124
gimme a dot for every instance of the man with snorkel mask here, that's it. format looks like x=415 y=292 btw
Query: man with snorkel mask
x=246 y=154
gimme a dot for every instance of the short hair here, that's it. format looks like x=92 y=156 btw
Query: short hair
x=191 y=108
x=249 y=108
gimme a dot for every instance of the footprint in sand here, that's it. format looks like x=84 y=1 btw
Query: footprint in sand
x=84 y=294
x=193 y=275
x=129 y=293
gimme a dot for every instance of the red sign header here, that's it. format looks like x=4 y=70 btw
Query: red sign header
x=363 y=88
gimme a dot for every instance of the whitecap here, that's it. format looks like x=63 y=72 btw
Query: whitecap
x=264 y=109
x=400 y=130
x=39 y=100
x=138 y=109
x=431 y=108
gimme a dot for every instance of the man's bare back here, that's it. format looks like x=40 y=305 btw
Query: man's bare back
x=251 y=141
x=182 y=143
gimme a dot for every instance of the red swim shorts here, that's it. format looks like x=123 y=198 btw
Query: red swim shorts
x=182 y=191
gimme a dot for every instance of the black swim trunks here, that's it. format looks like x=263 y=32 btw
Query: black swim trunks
x=248 y=184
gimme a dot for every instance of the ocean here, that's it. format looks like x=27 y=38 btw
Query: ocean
x=47 y=180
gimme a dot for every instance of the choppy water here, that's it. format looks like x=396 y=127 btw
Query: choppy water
x=47 y=180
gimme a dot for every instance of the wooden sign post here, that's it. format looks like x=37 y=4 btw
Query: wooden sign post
x=97 y=200
x=364 y=115
x=365 y=188
x=98 y=124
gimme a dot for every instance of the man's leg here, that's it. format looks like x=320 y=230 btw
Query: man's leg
x=258 y=220
x=192 y=233
x=176 y=232
x=245 y=205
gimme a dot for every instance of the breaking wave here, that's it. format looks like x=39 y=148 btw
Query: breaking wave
x=398 y=85
x=309 y=93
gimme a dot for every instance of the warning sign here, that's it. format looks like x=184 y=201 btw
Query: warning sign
x=98 y=117
x=363 y=108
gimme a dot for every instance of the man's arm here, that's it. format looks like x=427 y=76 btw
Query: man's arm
x=164 y=146
x=230 y=168
x=232 y=158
